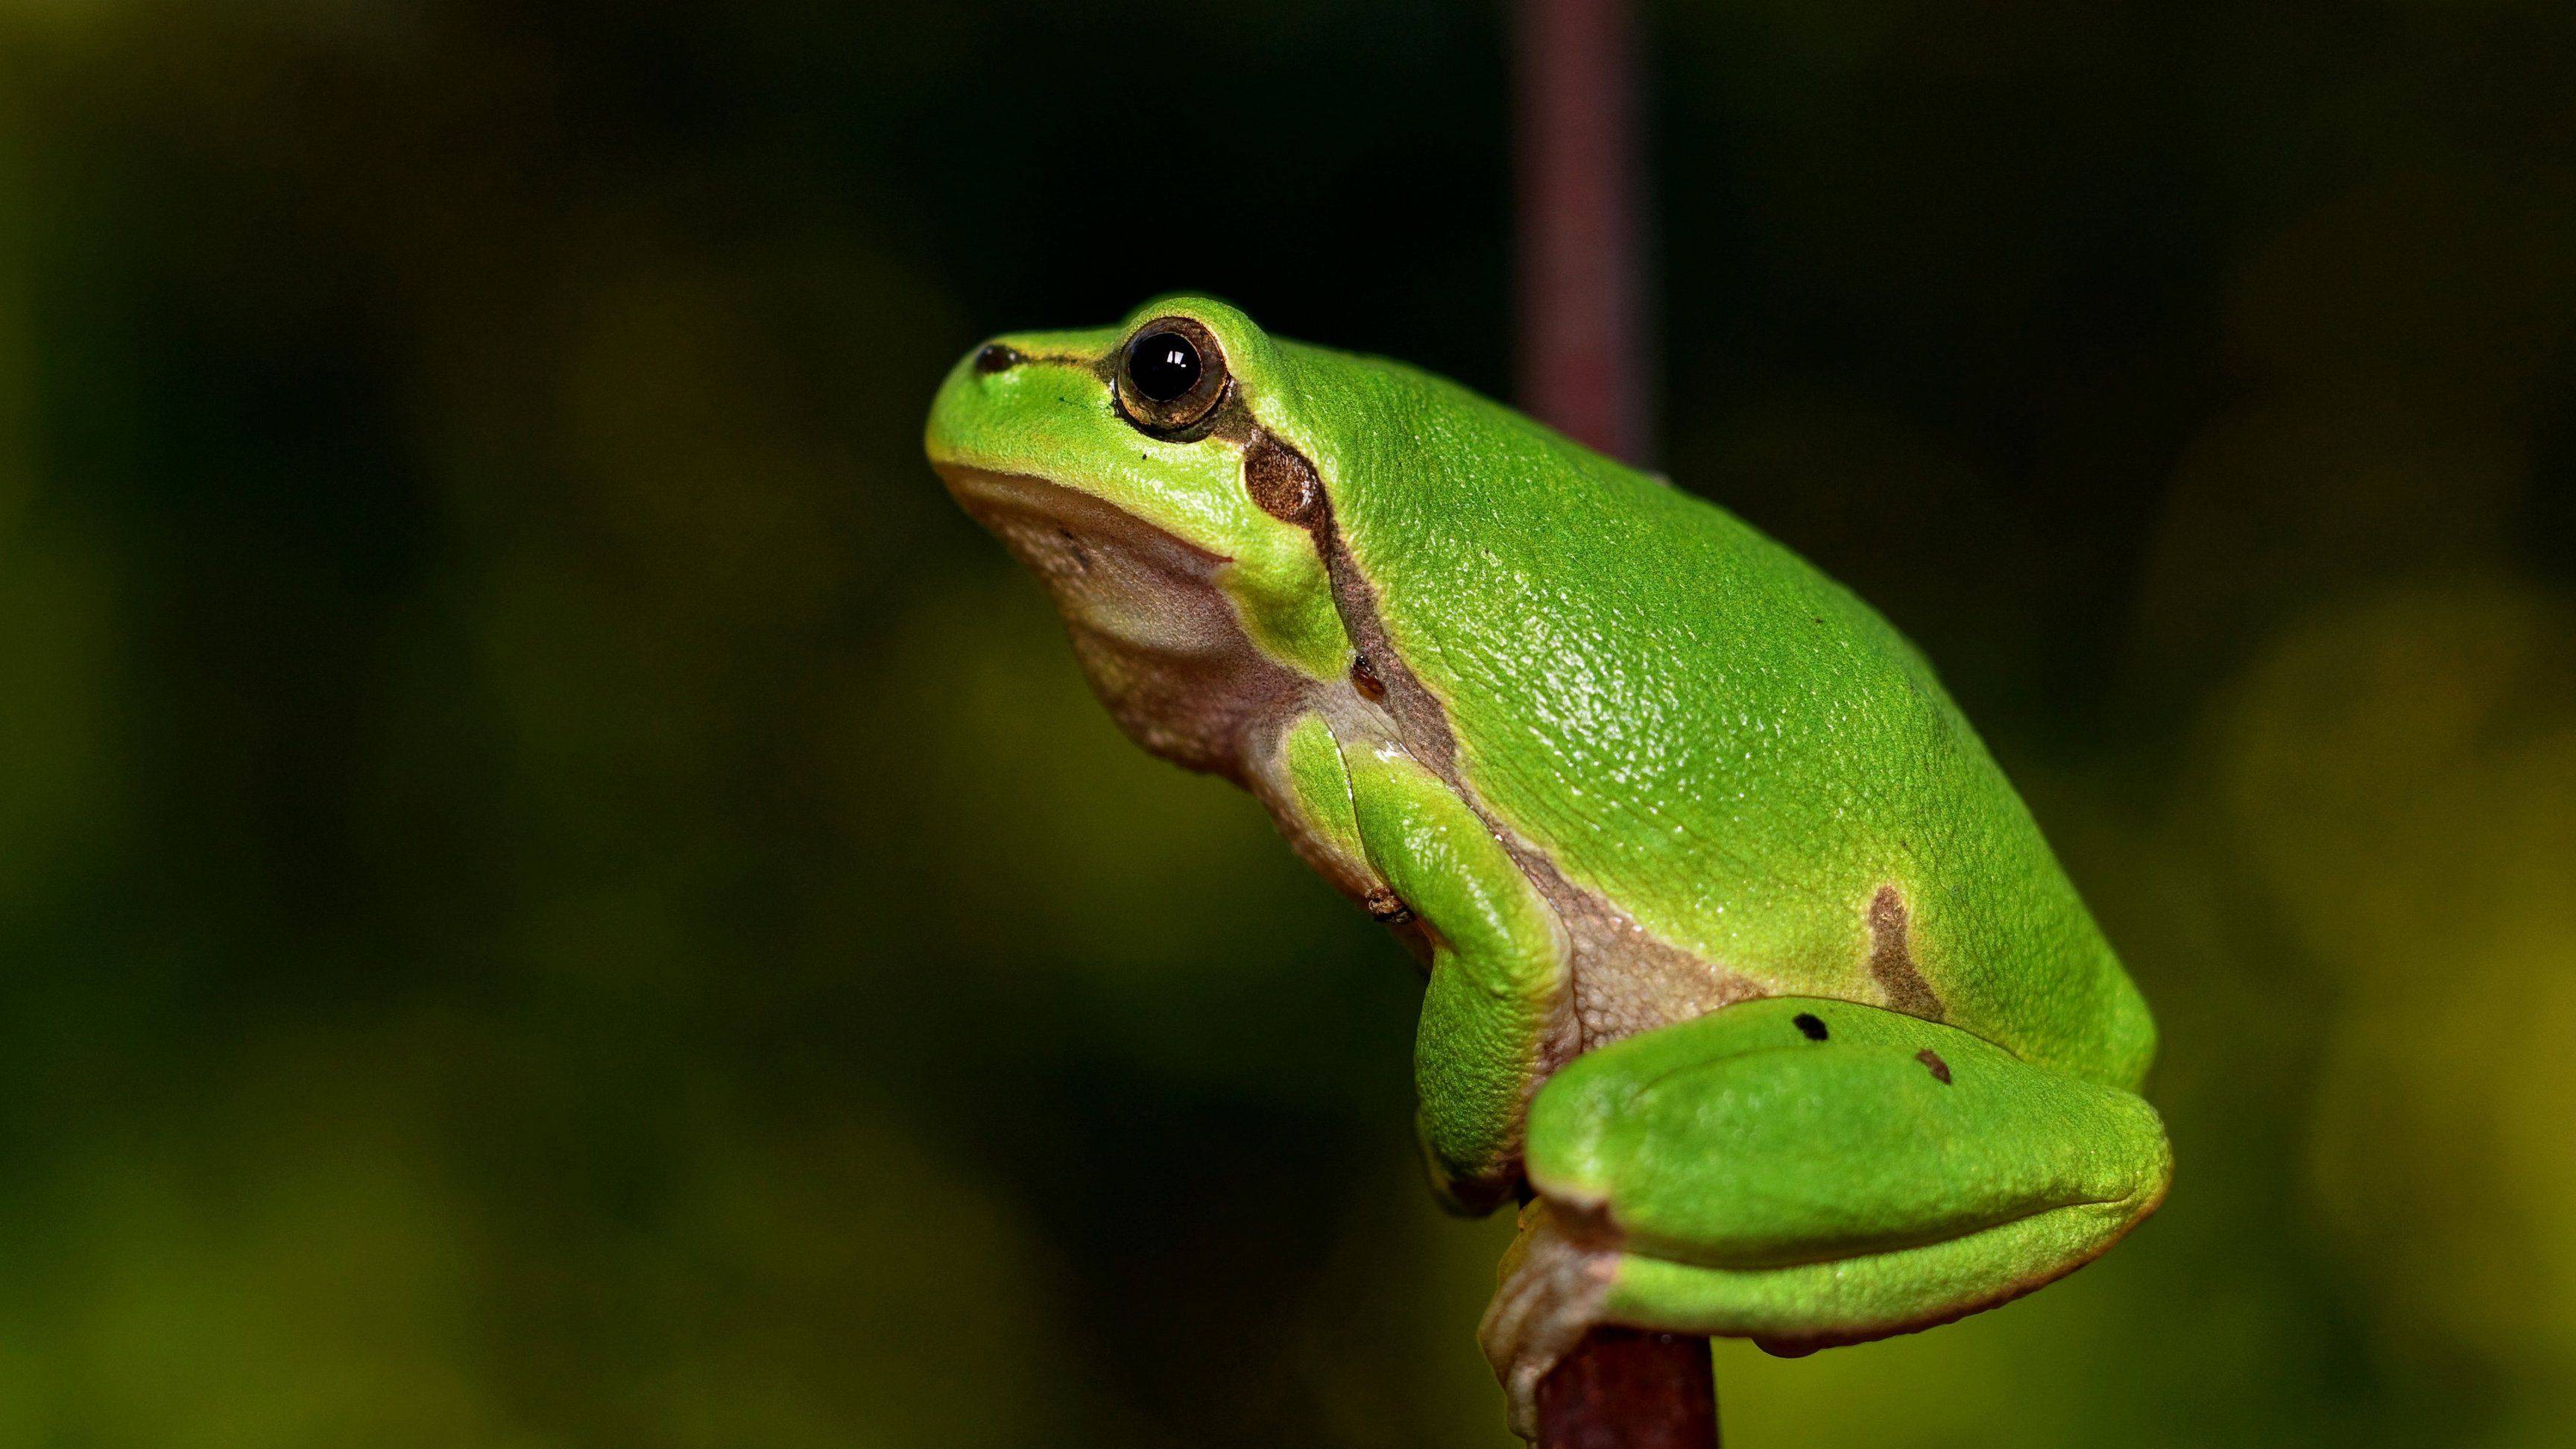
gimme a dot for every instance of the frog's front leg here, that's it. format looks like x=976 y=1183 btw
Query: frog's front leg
x=1494 y=1010
x=1808 y=1173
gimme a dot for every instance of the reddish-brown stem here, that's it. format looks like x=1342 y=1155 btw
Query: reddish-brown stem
x=1583 y=367
x=1623 y=1388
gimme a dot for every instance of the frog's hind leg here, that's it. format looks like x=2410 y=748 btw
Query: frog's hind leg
x=1808 y=1173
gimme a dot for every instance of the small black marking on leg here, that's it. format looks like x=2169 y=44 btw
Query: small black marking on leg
x=1073 y=546
x=1932 y=1062
x=1808 y=1022
x=1385 y=908
x=1282 y=482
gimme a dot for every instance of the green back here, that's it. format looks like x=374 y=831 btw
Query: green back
x=1696 y=723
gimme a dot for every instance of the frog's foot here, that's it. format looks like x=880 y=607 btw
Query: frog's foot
x=1553 y=1284
x=1807 y=1173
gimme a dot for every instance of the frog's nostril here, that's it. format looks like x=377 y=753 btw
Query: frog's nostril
x=994 y=357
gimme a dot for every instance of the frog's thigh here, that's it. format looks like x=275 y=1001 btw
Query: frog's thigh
x=1813 y=1172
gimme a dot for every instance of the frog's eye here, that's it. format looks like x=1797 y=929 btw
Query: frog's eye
x=1171 y=375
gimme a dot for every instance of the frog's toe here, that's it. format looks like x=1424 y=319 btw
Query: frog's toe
x=1552 y=1289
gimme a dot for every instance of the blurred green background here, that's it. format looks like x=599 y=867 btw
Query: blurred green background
x=554 y=891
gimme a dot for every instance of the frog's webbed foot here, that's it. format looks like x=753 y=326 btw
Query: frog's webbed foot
x=1806 y=1173
x=1552 y=1288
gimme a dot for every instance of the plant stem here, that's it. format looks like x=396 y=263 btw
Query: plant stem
x=1583 y=360
x=1624 y=1388
x=1585 y=368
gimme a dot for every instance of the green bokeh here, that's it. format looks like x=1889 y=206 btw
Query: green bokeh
x=554 y=892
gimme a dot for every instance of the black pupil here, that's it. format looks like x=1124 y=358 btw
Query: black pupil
x=1164 y=366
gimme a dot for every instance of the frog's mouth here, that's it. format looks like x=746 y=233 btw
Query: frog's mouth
x=1109 y=570
x=1156 y=633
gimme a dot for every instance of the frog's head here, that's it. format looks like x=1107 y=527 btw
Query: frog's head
x=1142 y=472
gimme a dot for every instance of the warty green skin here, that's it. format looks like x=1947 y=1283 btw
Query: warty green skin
x=1634 y=778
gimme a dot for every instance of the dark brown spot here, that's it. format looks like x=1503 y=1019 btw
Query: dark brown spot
x=1891 y=957
x=1281 y=480
x=994 y=357
x=1384 y=907
x=1932 y=1062
x=1807 y=1022
x=1365 y=680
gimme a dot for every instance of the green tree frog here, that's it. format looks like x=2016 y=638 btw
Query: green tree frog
x=1749 y=975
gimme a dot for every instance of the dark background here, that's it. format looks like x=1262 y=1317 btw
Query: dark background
x=554 y=891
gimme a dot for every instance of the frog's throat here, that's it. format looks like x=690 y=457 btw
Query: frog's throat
x=1155 y=633
x=1625 y=978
